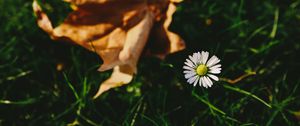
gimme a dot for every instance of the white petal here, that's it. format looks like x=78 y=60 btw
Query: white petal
x=193 y=59
x=192 y=79
x=189 y=63
x=205 y=82
x=215 y=71
x=198 y=58
x=201 y=81
x=188 y=71
x=195 y=56
x=213 y=77
x=204 y=57
x=215 y=66
x=188 y=68
x=209 y=81
x=189 y=75
x=196 y=81
x=212 y=61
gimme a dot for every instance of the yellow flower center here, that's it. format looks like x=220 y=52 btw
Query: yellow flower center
x=201 y=70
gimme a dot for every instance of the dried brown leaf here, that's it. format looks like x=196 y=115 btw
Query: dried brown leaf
x=118 y=31
x=121 y=75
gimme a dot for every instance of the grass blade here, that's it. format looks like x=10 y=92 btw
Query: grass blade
x=71 y=87
x=211 y=106
x=247 y=93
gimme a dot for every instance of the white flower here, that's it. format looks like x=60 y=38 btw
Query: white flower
x=199 y=70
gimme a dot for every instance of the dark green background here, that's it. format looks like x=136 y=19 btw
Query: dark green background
x=244 y=34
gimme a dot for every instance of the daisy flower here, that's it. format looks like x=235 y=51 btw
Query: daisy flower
x=198 y=69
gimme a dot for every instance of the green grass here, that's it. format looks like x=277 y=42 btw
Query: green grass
x=261 y=37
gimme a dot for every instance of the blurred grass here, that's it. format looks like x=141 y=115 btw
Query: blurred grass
x=249 y=36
